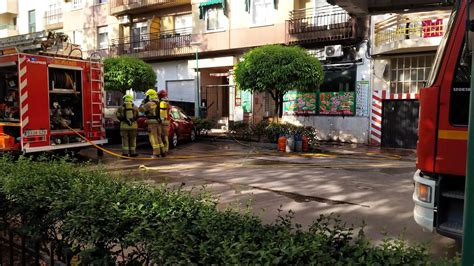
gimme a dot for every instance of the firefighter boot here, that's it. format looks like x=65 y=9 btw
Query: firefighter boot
x=133 y=143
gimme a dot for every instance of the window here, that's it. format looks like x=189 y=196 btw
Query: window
x=461 y=90
x=409 y=74
x=76 y=4
x=183 y=22
x=99 y=2
x=77 y=37
x=175 y=114
x=102 y=38
x=31 y=21
x=262 y=12
x=139 y=35
x=14 y=21
x=215 y=19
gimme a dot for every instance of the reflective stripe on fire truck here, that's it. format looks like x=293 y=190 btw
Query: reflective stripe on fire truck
x=24 y=115
x=452 y=134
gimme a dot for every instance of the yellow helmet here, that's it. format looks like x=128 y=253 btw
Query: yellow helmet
x=128 y=98
x=151 y=94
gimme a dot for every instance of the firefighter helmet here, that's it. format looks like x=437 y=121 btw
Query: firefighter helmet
x=162 y=94
x=151 y=94
x=128 y=98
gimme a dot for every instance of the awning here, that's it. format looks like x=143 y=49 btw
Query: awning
x=209 y=3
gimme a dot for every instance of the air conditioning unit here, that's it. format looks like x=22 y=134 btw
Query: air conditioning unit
x=125 y=19
x=333 y=51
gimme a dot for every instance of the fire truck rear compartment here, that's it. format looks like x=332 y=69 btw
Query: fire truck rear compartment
x=65 y=105
x=9 y=107
x=449 y=218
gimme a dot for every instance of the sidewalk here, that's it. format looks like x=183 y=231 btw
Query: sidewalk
x=322 y=147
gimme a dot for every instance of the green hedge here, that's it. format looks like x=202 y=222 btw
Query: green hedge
x=101 y=219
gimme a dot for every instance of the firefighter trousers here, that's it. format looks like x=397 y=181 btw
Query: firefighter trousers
x=129 y=141
x=154 y=134
x=165 y=131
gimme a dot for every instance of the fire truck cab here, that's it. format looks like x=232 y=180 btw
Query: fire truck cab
x=49 y=95
x=442 y=144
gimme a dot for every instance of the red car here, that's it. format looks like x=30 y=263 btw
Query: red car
x=181 y=127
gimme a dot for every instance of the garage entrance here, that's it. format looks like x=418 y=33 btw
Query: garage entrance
x=400 y=123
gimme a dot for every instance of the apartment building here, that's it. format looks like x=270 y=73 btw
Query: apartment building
x=8 y=18
x=193 y=46
x=160 y=33
x=403 y=50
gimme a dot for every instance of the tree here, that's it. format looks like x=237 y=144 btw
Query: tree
x=277 y=69
x=123 y=73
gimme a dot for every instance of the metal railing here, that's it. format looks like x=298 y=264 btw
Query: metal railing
x=165 y=43
x=119 y=6
x=411 y=26
x=323 y=24
x=53 y=17
x=7 y=27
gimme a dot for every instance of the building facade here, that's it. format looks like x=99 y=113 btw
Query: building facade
x=403 y=51
x=193 y=46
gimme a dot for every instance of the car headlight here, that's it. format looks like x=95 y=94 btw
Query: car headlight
x=423 y=192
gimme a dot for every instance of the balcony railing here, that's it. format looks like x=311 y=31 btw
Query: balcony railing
x=163 y=44
x=7 y=27
x=53 y=17
x=320 y=25
x=118 y=7
x=410 y=26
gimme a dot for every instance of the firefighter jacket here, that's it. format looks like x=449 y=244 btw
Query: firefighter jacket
x=151 y=110
x=127 y=114
x=164 y=112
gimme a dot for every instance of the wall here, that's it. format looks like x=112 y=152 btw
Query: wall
x=40 y=8
x=80 y=20
x=343 y=129
x=176 y=70
x=240 y=33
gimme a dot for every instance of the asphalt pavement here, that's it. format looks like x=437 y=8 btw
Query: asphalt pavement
x=361 y=184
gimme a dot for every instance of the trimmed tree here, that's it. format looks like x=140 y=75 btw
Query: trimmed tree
x=278 y=69
x=123 y=73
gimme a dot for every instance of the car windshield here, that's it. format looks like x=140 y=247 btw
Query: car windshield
x=442 y=47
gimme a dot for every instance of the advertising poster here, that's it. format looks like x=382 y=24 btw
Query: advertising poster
x=300 y=103
x=336 y=103
x=362 y=98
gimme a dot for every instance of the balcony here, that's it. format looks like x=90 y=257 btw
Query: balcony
x=155 y=45
x=321 y=26
x=7 y=30
x=53 y=19
x=122 y=7
x=9 y=7
x=415 y=32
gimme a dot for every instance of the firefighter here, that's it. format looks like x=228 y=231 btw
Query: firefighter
x=127 y=114
x=165 y=120
x=150 y=106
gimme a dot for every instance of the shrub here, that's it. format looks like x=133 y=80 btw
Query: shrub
x=98 y=218
x=203 y=126
x=241 y=130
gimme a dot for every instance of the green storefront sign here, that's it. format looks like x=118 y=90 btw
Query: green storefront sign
x=322 y=103
x=337 y=103
x=300 y=103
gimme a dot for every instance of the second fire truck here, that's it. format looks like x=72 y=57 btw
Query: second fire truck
x=49 y=95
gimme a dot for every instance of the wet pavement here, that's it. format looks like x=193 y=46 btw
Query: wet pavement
x=362 y=184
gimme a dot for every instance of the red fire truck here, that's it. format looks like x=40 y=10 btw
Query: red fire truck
x=442 y=145
x=48 y=94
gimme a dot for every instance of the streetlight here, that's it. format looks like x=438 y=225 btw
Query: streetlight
x=198 y=96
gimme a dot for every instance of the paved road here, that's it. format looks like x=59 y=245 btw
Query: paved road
x=360 y=184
